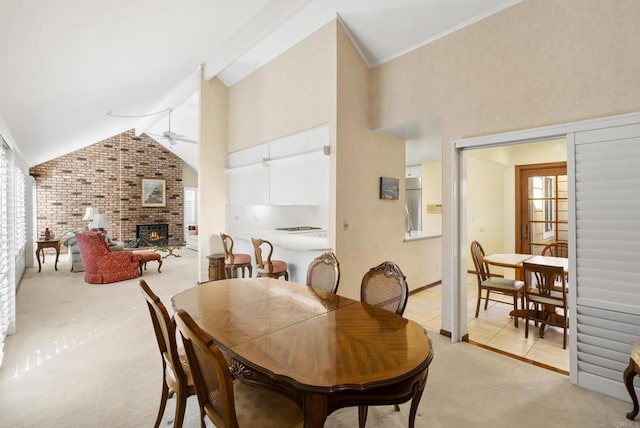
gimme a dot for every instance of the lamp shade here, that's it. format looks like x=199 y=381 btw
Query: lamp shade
x=90 y=212
x=100 y=221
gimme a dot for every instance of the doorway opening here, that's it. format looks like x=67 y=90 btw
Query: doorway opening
x=515 y=202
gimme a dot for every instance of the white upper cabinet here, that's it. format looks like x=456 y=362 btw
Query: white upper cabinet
x=293 y=170
x=249 y=179
x=299 y=168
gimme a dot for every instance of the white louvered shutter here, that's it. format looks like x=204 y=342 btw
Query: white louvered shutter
x=21 y=213
x=607 y=213
x=6 y=299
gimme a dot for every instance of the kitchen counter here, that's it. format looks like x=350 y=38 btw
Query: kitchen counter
x=417 y=235
x=305 y=241
x=297 y=249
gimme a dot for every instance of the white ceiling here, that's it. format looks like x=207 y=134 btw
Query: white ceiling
x=66 y=63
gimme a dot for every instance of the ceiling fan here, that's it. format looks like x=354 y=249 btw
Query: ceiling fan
x=171 y=137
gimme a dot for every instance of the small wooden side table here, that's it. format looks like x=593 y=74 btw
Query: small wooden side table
x=216 y=267
x=47 y=243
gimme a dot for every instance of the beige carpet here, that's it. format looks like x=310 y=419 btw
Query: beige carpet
x=85 y=356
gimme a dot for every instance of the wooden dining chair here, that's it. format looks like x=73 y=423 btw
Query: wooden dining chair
x=176 y=374
x=233 y=262
x=324 y=273
x=229 y=403
x=544 y=295
x=509 y=287
x=268 y=267
x=556 y=249
x=384 y=286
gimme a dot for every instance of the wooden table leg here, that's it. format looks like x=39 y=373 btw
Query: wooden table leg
x=415 y=401
x=315 y=409
x=38 y=251
x=57 y=256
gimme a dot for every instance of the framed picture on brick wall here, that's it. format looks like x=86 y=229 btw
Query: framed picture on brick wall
x=154 y=193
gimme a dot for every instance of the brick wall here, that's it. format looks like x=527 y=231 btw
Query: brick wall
x=108 y=175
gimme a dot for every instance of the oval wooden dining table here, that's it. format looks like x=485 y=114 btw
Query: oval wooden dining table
x=322 y=350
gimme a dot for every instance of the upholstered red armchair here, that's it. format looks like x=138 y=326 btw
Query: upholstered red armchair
x=101 y=265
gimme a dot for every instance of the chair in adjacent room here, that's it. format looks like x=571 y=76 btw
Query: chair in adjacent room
x=544 y=296
x=324 y=273
x=509 y=287
x=233 y=262
x=384 y=286
x=225 y=402
x=176 y=374
x=269 y=268
x=556 y=249
x=103 y=266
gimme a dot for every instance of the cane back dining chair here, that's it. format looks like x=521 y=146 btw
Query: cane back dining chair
x=510 y=287
x=269 y=268
x=225 y=402
x=324 y=273
x=545 y=292
x=176 y=373
x=384 y=286
x=233 y=262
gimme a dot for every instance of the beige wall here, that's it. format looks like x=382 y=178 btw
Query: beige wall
x=431 y=195
x=536 y=63
x=375 y=229
x=213 y=185
x=189 y=176
x=293 y=92
x=486 y=206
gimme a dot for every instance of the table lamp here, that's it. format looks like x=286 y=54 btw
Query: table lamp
x=90 y=213
x=100 y=222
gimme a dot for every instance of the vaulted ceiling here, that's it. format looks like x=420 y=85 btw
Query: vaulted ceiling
x=66 y=64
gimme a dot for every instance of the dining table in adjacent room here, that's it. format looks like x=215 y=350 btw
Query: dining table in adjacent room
x=550 y=261
x=324 y=351
x=515 y=260
x=508 y=260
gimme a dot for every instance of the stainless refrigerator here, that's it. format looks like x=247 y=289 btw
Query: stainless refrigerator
x=413 y=203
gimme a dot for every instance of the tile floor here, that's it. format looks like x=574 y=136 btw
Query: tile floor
x=493 y=328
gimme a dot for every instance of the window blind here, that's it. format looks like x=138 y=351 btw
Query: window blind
x=190 y=207
x=6 y=298
x=21 y=213
x=607 y=211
